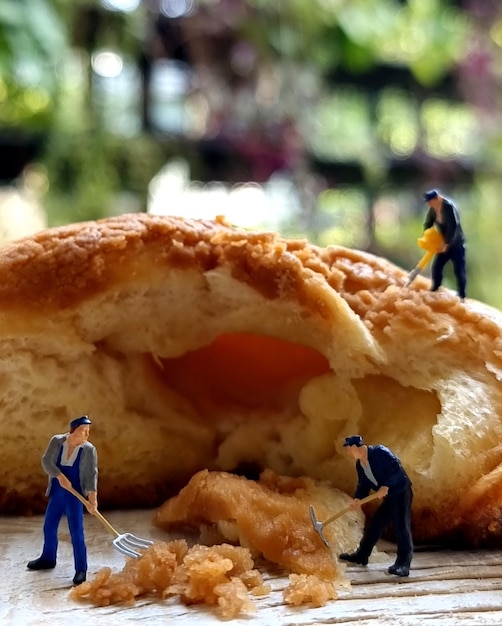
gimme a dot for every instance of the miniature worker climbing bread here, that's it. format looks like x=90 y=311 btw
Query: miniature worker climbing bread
x=69 y=461
x=379 y=469
x=443 y=215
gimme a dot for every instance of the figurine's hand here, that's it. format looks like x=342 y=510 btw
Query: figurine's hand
x=355 y=504
x=92 y=503
x=91 y=507
x=383 y=491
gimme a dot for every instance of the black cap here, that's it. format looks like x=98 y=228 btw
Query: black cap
x=355 y=440
x=431 y=194
x=80 y=421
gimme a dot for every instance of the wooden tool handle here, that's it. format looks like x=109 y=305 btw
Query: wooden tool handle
x=97 y=514
x=372 y=496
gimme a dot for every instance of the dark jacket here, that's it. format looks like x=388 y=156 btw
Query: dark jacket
x=450 y=228
x=387 y=470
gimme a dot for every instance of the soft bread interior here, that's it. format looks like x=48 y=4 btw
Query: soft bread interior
x=194 y=345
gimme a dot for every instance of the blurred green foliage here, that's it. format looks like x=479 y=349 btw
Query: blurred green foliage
x=309 y=66
x=88 y=170
x=33 y=42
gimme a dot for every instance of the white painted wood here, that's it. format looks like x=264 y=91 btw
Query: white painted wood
x=445 y=588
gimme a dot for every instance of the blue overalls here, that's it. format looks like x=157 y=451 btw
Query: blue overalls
x=62 y=502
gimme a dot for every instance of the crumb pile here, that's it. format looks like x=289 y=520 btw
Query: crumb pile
x=269 y=516
x=220 y=576
x=305 y=588
x=223 y=576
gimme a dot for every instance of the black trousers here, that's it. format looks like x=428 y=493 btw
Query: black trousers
x=395 y=510
x=456 y=255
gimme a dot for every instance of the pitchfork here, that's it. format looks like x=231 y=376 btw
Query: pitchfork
x=319 y=526
x=124 y=542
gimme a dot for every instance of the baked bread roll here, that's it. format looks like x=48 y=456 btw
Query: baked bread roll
x=193 y=344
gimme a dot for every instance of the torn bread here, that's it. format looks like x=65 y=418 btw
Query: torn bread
x=270 y=517
x=193 y=344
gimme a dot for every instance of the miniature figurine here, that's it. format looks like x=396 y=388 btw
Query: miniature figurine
x=379 y=469
x=69 y=461
x=443 y=214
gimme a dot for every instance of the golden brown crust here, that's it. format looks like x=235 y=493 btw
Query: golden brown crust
x=63 y=266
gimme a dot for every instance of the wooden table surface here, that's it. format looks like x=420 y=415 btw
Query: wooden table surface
x=444 y=587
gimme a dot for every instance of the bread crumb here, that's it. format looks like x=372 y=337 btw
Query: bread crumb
x=305 y=588
x=222 y=576
x=269 y=516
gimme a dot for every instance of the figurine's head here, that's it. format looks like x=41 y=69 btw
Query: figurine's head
x=433 y=198
x=431 y=194
x=354 y=440
x=79 y=421
x=79 y=430
x=355 y=446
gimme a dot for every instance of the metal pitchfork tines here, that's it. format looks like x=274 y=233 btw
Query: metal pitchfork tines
x=319 y=526
x=127 y=543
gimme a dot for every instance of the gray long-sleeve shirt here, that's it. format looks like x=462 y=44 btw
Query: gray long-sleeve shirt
x=88 y=464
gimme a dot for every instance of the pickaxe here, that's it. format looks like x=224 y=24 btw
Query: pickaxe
x=319 y=526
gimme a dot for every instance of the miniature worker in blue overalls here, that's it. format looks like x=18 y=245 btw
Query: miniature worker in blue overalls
x=70 y=460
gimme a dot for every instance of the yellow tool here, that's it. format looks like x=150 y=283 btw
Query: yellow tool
x=431 y=241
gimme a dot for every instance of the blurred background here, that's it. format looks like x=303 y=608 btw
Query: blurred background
x=323 y=119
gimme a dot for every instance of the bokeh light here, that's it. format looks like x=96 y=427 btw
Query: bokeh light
x=177 y=8
x=126 y=6
x=107 y=64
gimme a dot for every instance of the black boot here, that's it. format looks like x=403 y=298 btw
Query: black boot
x=355 y=557
x=399 y=569
x=41 y=563
x=79 y=578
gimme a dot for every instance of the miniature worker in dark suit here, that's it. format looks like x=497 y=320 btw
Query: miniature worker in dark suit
x=443 y=214
x=379 y=469
x=70 y=460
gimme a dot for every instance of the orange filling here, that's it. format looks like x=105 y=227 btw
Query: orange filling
x=243 y=369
